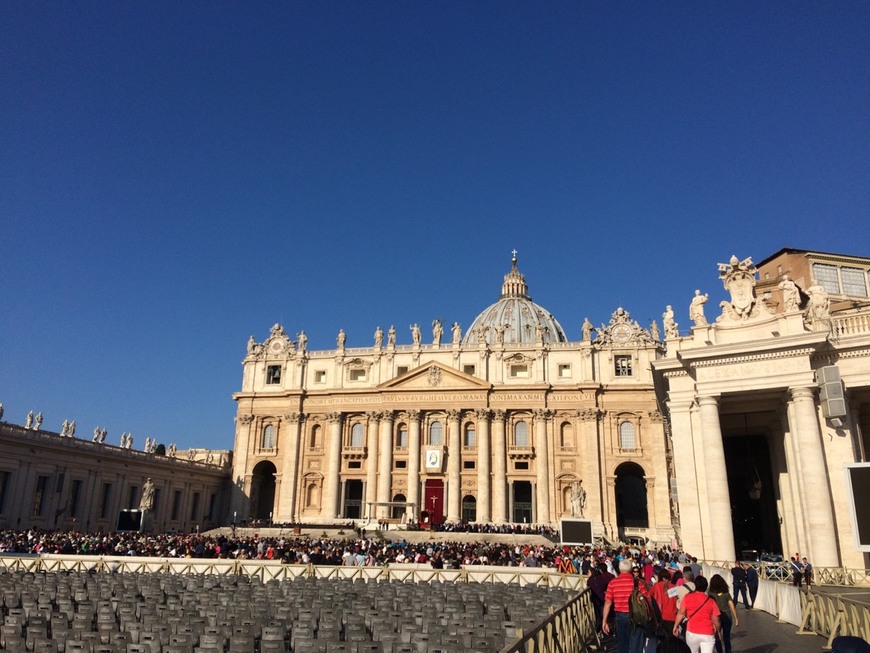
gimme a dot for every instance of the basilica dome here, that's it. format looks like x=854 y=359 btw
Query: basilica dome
x=515 y=318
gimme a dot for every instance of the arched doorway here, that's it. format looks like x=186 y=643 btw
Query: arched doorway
x=262 y=490
x=631 y=500
x=469 y=508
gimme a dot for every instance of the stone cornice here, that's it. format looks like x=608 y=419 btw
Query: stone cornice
x=749 y=358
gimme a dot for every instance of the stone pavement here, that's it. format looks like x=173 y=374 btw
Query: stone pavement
x=760 y=632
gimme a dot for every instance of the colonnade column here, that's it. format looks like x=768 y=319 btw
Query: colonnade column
x=454 y=475
x=371 y=493
x=385 y=456
x=286 y=509
x=716 y=478
x=484 y=464
x=499 y=469
x=542 y=467
x=819 y=515
x=414 y=464
x=243 y=445
x=333 y=468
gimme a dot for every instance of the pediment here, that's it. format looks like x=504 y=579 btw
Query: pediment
x=433 y=376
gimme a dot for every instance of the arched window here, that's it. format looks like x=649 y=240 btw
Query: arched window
x=315 y=442
x=268 y=441
x=470 y=437
x=566 y=436
x=357 y=436
x=402 y=437
x=436 y=433
x=521 y=434
x=627 y=439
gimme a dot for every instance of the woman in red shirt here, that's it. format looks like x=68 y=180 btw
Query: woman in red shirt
x=702 y=618
x=667 y=604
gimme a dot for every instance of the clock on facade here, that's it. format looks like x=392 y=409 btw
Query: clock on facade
x=621 y=333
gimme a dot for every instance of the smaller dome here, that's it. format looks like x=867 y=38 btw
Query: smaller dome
x=515 y=318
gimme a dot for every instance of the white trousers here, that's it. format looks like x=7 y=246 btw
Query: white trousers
x=701 y=643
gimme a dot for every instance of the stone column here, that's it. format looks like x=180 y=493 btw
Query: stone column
x=483 y=466
x=371 y=493
x=542 y=468
x=240 y=462
x=817 y=494
x=286 y=509
x=414 y=453
x=385 y=467
x=499 y=469
x=329 y=509
x=454 y=471
x=716 y=478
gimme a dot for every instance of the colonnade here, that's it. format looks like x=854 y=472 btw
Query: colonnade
x=702 y=478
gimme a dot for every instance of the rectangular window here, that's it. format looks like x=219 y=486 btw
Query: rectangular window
x=131 y=497
x=354 y=464
x=39 y=496
x=155 y=503
x=105 y=498
x=854 y=282
x=401 y=369
x=468 y=464
x=75 y=495
x=357 y=375
x=194 y=507
x=211 y=505
x=519 y=371
x=469 y=369
x=622 y=365
x=564 y=371
x=273 y=374
x=827 y=277
x=401 y=464
x=521 y=466
x=320 y=376
x=176 y=505
x=4 y=489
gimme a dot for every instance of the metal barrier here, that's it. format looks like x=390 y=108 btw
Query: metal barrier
x=570 y=629
x=830 y=615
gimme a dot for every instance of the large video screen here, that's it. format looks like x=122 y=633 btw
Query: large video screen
x=129 y=520
x=576 y=531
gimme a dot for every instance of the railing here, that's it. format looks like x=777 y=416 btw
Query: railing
x=570 y=629
x=850 y=325
x=830 y=615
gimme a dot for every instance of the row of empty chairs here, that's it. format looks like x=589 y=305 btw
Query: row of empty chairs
x=88 y=612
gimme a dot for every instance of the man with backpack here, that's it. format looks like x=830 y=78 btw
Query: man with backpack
x=629 y=637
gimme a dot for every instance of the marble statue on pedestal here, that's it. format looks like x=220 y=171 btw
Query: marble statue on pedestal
x=791 y=297
x=696 y=309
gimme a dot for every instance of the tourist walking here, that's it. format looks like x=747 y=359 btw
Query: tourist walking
x=727 y=611
x=629 y=639
x=751 y=583
x=702 y=618
x=667 y=604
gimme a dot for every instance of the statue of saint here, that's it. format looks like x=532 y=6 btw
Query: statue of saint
x=671 y=327
x=1 y=410
x=29 y=421
x=416 y=336
x=63 y=428
x=379 y=338
x=146 y=503
x=96 y=434
x=341 y=339
x=791 y=297
x=578 y=499
x=587 y=330
x=437 y=332
x=818 y=306
x=38 y=420
x=251 y=344
x=696 y=309
x=72 y=428
x=391 y=336
x=456 y=330
x=654 y=331
x=301 y=340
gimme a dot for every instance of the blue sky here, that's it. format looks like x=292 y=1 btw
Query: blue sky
x=175 y=177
